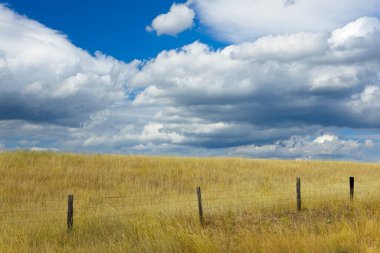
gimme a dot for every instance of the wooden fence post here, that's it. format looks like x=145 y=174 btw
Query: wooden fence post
x=70 y=212
x=298 y=188
x=352 y=185
x=200 y=208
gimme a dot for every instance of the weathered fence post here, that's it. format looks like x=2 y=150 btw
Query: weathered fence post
x=298 y=188
x=200 y=208
x=70 y=212
x=352 y=185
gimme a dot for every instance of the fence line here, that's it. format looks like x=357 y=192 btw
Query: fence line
x=207 y=202
x=232 y=197
x=28 y=221
x=176 y=202
x=31 y=210
x=134 y=205
x=143 y=197
x=30 y=200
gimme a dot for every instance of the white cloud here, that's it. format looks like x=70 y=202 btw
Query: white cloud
x=281 y=47
x=178 y=19
x=194 y=100
x=132 y=135
x=45 y=78
x=324 y=146
x=358 y=29
x=326 y=138
x=39 y=149
x=245 y=20
x=367 y=103
x=284 y=79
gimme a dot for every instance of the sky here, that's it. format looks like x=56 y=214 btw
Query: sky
x=287 y=79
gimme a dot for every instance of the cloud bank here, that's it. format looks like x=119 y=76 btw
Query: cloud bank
x=290 y=96
x=325 y=79
x=306 y=147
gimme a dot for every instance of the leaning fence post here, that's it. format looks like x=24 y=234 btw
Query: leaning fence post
x=352 y=185
x=200 y=208
x=298 y=189
x=70 y=212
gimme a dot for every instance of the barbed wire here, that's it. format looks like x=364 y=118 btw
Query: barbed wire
x=254 y=197
x=206 y=189
x=250 y=203
x=134 y=205
x=27 y=221
x=7 y=200
x=31 y=210
x=232 y=195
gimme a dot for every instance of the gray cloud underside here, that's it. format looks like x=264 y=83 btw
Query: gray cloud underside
x=44 y=78
x=273 y=97
x=311 y=79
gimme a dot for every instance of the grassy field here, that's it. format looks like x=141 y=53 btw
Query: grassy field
x=149 y=204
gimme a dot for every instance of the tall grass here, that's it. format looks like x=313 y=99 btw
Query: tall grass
x=148 y=204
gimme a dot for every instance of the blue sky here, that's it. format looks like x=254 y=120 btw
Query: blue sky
x=116 y=27
x=274 y=79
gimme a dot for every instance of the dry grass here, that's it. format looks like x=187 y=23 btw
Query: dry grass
x=249 y=204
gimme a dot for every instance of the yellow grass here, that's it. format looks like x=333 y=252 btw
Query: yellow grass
x=148 y=204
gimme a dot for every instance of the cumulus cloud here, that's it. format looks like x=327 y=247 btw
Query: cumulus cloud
x=179 y=18
x=190 y=132
x=266 y=90
x=326 y=146
x=290 y=79
x=151 y=133
x=39 y=149
x=245 y=99
x=354 y=32
x=44 y=78
x=245 y=20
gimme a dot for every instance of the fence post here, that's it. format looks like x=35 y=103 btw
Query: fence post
x=298 y=188
x=352 y=185
x=200 y=208
x=70 y=212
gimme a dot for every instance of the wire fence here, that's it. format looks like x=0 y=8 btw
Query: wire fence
x=208 y=201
